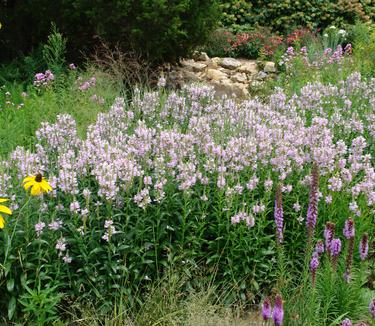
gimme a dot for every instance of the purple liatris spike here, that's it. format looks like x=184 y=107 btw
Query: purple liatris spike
x=347 y=322
x=372 y=308
x=278 y=311
x=319 y=247
x=349 y=230
x=312 y=210
x=363 y=246
x=314 y=263
x=335 y=251
x=335 y=247
x=279 y=215
x=266 y=309
x=329 y=233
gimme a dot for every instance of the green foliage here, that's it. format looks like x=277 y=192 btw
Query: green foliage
x=54 y=51
x=159 y=30
x=23 y=108
x=284 y=15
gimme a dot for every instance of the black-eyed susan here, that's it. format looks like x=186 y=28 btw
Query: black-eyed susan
x=38 y=185
x=5 y=210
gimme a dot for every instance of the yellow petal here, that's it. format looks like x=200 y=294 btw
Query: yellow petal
x=27 y=179
x=2 y=222
x=3 y=200
x=6 y=210
x=29 y=184
x=46 y=186
x=36 y=190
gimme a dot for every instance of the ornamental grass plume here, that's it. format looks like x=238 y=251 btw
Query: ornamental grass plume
x=278 y=311
x=363 y=247
x=266 y=309
x=279 y=215
x=335 y=251
x=38 y=185
x=312 y=211
x=349 y=233
x=329 y=233
x=314 y=264
x=5 y=210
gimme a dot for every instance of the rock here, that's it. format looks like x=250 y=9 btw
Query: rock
x=237 y=89
x=215 y=75
x=193 y=66
x=269 y=66
x=200 y=56
x=230 y=63
x=248 y=67
x=261 y=75
x=239 y=77
x=215 y=61
x=190 y=76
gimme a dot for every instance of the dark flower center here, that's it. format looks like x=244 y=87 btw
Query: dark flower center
x=38 y=178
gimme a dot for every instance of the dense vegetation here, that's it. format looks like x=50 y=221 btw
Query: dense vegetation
x=160 y=30
x=151 y=206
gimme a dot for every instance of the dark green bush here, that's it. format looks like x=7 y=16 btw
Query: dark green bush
x=159 y=29
x=284 y=15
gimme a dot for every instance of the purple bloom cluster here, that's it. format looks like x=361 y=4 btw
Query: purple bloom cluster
x=43 y=79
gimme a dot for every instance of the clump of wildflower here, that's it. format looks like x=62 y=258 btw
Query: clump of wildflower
x=60 y=246
x=72 y=66
x=329 y=233
x=347 y=322
x=349 y=232
x=55 y=225
x=43 y=79
x=266 y=309
x=4 y=209
x=67 y=259
x=279 y=215
x=314 y=264
x=87 y=84
x=39 y=228
x=243 y=216
x=335 y=251
x=110 y=230
x=363 y=247
x=312 y=211
x=278 y=311
x=74 y=207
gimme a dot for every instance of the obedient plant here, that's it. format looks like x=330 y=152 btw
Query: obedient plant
x=161 y=179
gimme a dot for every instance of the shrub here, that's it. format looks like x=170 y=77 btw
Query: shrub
x=160 y=30
x=284 y=15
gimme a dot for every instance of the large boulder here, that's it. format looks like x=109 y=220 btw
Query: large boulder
x=230 y=63
x=215 y=75
x=193 y=66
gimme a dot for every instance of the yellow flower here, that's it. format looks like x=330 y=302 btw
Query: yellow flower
x=3 y=209
x=38 y=184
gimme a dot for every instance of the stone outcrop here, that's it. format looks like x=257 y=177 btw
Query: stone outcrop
x=228 y=75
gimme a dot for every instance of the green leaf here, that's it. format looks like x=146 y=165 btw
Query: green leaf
x=11 y=307
x=10 y=285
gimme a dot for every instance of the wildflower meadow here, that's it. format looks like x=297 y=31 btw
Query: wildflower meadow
x=174 y=206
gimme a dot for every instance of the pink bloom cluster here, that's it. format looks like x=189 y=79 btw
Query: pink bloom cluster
x=43 y=79
x=194 y=141
x=87 y=84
